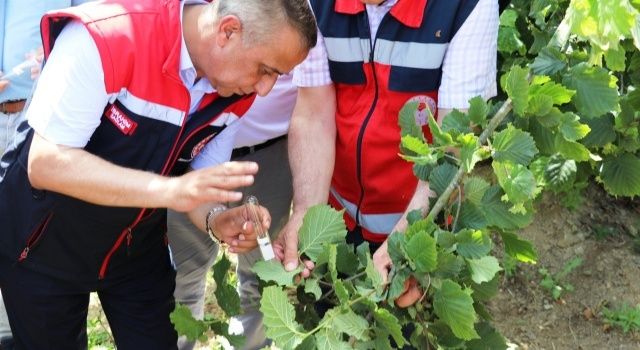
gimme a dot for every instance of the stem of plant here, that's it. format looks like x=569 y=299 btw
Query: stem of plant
x=491 y=127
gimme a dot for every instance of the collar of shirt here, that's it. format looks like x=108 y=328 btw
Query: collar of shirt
x=187 y=69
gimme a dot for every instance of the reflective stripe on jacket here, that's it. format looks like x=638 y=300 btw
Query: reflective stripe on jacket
x=373 y=81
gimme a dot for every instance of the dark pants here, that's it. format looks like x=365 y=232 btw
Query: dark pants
x=49 y=313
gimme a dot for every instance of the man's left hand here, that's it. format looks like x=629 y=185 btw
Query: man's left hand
x=382 y=263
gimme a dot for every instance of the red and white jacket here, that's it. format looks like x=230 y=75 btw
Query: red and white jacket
x=146 y=125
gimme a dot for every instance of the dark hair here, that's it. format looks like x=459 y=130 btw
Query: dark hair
x=301 y=18
x=260 y=17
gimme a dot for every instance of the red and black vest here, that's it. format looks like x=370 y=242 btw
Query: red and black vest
x=146 y=125
x=373 y=81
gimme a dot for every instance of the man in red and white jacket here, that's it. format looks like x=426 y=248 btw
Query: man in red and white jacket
x=372 y=58
x=129 y=95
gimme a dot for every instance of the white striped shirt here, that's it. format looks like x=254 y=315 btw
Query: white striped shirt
x=468 y=69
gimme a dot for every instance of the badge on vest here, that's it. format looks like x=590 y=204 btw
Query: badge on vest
x=121 y=121
x=426 y=105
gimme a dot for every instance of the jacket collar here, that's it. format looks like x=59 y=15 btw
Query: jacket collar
x=408 y=12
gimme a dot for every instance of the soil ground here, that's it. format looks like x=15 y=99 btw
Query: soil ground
x=604 y=233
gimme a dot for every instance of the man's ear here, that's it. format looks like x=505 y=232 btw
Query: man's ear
x=228 y=27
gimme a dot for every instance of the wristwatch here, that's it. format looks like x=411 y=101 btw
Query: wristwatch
x=215 y=211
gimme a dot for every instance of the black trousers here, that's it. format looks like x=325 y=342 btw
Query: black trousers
x=49 y=313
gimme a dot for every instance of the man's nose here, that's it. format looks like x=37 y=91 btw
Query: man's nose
x=265 y=84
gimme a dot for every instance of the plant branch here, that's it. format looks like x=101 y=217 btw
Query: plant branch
x=491 y=127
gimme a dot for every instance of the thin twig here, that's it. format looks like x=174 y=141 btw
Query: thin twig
x=491 y=126
x=455 y=221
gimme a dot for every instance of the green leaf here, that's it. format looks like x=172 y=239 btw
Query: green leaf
x=468 y=151
x=440 y=137
x=226 y=294
x=421 y=249
x=517 y=87
x=373 y=274
x=332 y=263
x=415 y=145
x=279 y=318
x=471 y=216
x=498 y=214
x=487 y=290
x=478 y=111
x=508 y=18
x=474 y=189
x=449 y=265
x=616 y=59
x=540 y=104
x=509 y=41
x=330 y=339
x=483 y=269
x=517 y=181
x=346 y=260
x=514 y=145
x=572 y=150
x=571 y=128
x=341 y=291
x=312 y=286
x=456 y=123
x=602 y=131
x=396 y=287
x=602 y=22
x=391 y=324
x=441 y=177
x=321 y=225
x=352 y=324
x=549 y=61
x=395 y=248
x=490 y=339
x=621 y=175
x=596 y=90
x=560 y=172
x=407 y=121
x=185 y=324
x=273 y=270
x=454 y=306
x=558 y=93
x=517 y=248
x=473 y=243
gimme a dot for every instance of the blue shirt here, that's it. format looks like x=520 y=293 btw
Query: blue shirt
x=19 y=35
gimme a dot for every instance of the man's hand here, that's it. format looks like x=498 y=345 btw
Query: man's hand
x=212 y=184
x=285 y=246
x=234 y=227
x=382 y=263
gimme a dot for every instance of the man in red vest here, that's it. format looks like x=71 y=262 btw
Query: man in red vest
x=372 y=58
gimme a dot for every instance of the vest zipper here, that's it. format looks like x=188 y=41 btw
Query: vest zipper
x=127 y=232
x=34 y=237
x=368 y=117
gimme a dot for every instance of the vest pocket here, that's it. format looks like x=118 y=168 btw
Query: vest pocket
x=351 y=73
x=35 y=237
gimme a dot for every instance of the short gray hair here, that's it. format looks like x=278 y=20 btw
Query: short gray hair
x=261 y=18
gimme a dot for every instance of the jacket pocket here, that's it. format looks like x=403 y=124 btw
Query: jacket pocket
x=35 y=237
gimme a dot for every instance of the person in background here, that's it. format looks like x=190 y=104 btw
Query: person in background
x=438 y=53
x=20 y=59
x=259 y=136
x=129 y=95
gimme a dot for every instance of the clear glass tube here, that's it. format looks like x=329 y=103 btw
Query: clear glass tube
x=264 y=241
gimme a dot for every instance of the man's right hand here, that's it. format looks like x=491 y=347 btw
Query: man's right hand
x=212 y=184
x=285 y=246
